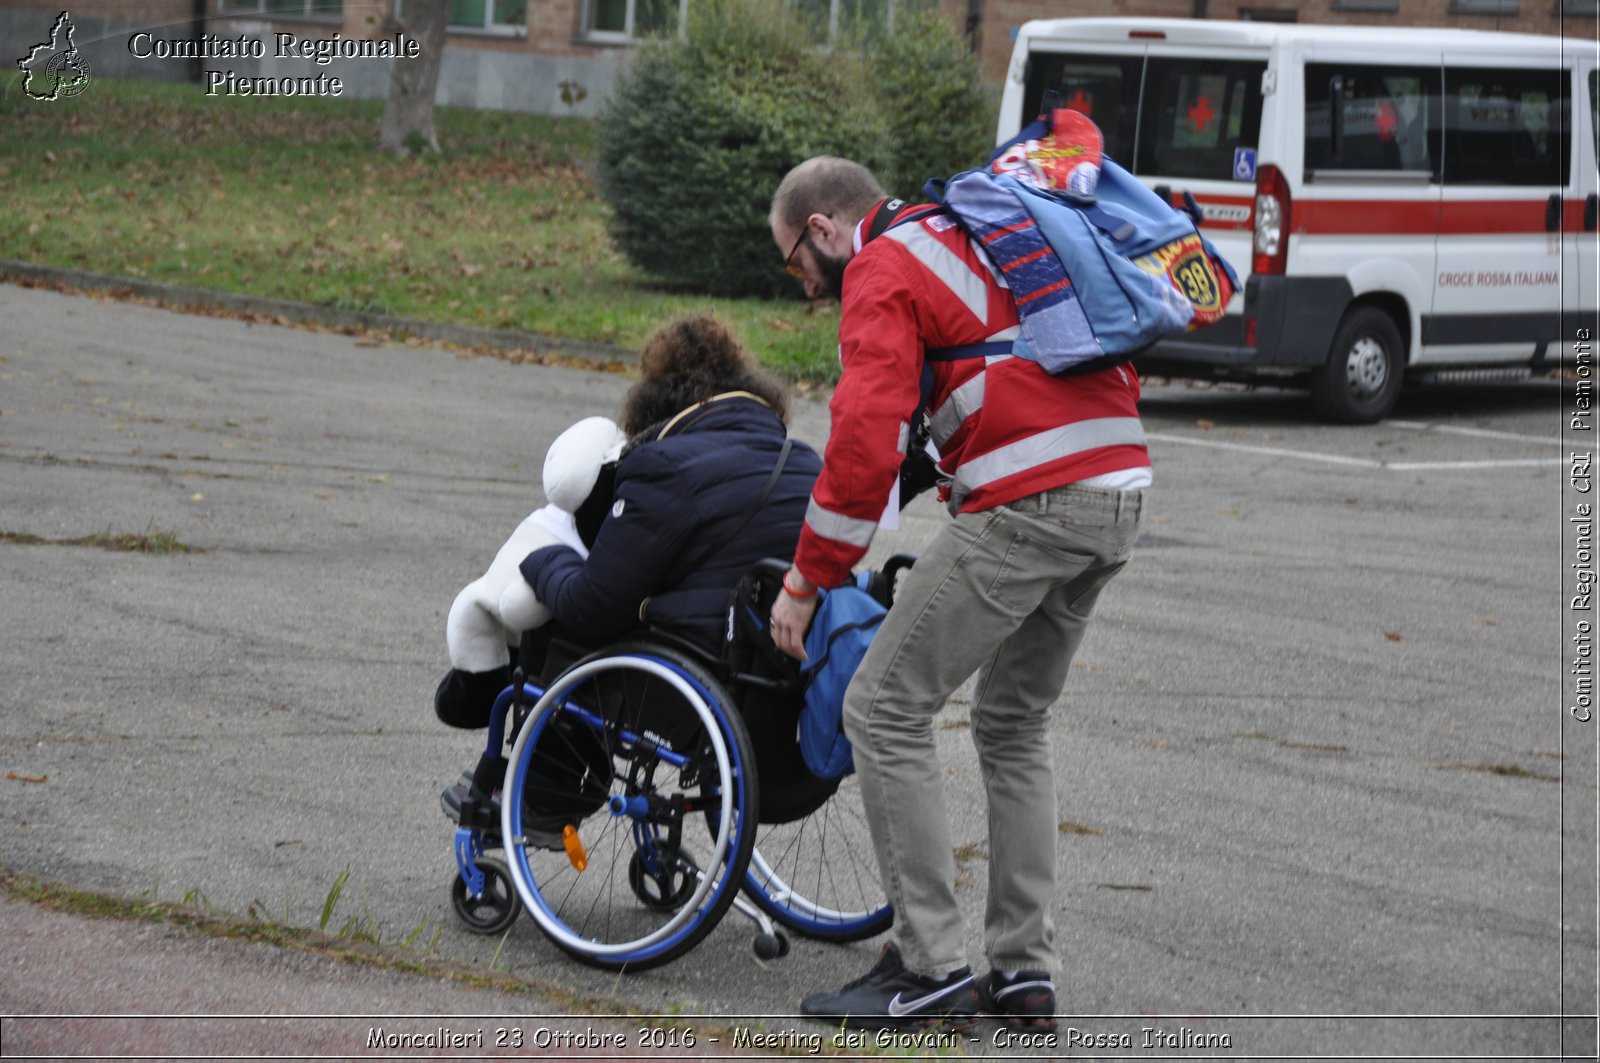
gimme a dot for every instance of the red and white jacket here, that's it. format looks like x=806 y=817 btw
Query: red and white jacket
x=1005 y=429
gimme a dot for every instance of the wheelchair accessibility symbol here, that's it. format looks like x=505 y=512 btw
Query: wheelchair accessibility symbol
x=1244 y=164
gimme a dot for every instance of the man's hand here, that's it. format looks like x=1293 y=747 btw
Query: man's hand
x=791 y=614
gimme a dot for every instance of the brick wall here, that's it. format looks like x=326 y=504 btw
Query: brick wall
x=154 y=12
x=554 y=26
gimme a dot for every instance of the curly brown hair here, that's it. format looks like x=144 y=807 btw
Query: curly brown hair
x=688 y=361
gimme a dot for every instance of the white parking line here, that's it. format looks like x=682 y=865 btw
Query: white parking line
x=1278 y=452
x=1365 y=463
x=1487 y=433
x=1509 y=463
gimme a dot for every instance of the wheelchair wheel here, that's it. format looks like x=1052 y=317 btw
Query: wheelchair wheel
x=818 y=876
x=630 y=808
x=497 y=909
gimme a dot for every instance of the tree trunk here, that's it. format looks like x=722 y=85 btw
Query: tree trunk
x=408 y=112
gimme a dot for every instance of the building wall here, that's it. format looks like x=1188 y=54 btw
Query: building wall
x=552 y=68
x=1573 y=18
x=547 y=70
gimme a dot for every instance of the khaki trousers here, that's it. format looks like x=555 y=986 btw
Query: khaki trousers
x=1006 y=593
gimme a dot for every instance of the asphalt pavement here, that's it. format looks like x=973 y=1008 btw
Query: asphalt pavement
x=1319 y=791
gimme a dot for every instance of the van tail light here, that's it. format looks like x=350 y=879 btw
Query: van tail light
x=1271 y=244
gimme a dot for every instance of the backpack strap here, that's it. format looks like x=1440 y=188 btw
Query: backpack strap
x=989 y=349
x=887 y=215
x=1118 y=229
x=754 y=508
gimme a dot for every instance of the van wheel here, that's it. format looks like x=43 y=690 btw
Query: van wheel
x=1360 y=381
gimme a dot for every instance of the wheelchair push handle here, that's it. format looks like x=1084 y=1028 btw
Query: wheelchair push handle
x=881 y=583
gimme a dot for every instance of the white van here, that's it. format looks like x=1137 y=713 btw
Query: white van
x=1403 y=202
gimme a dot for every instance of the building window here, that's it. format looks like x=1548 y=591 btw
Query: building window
x=487 y=16
x=1491 y=8
x=1269 y=14
x=289 y=8
x=492 y=15
x=1367 y=7
x=622 y=20
x=855 y=20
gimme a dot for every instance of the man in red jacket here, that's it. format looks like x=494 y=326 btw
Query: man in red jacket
x=1046 y=479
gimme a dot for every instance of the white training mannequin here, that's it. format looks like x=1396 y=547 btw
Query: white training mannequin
x=491 y=613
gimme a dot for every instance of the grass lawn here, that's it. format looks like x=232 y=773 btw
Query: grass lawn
x=290 y=198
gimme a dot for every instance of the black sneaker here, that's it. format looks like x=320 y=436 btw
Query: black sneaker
x=1025 y=999
x=891 y=997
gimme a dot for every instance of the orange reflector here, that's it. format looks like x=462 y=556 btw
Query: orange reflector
x=574 y=847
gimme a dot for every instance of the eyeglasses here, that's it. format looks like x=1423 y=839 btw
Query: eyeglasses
x=789 y=264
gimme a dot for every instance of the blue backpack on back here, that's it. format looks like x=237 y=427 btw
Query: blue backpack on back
x=846 y=619
x=1100 y=267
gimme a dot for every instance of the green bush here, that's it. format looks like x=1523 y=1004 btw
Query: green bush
x=941 y=119
x=699 y=131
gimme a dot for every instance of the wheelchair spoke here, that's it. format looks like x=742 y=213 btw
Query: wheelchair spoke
x=640 y=756
x=818 y=875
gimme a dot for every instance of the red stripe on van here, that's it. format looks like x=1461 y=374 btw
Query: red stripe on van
x=1488 y=216
x=1364 y=216
x=1414 y=218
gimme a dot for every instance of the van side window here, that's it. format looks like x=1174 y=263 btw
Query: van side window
x=1106 y=88
x=1507 y=127
x=1594 y=109
x=1371 y=118
x=1196 y=116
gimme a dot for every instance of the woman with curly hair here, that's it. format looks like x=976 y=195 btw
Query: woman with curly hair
x=708 y=484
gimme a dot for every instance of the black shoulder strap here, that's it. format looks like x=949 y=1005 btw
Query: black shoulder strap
x=755 y=507
x=887 y=215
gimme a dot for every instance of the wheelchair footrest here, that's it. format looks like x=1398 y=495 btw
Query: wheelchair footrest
x=465 y=810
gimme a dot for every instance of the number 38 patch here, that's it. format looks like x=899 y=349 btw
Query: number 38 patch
x=1191 y=271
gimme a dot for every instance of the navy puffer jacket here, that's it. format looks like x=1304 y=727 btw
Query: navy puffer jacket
x=676 y=498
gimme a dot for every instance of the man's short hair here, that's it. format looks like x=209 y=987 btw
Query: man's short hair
x=825 y=184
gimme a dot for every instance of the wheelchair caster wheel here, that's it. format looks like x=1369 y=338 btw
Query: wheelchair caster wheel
x=771 y=946
x=499 y=906
x=667 y=890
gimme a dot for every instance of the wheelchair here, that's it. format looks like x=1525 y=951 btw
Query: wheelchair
x=650 y=787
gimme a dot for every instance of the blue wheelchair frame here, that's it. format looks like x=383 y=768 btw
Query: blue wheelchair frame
x=488 y=892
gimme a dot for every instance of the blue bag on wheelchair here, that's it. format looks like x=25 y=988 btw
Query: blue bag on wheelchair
x=842 y=629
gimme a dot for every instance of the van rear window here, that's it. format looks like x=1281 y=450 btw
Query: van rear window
x=1194 y=119
x=1106 y=88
